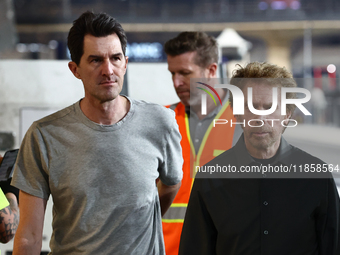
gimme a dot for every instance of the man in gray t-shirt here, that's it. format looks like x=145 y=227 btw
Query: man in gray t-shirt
x=99 y=159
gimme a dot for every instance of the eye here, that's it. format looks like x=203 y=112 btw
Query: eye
x=116 y=58
x=185 y=73
x=95 y=60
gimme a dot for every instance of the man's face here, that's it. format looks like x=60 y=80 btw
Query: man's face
x=101 y=68
x=182 y=68
x=267 y=137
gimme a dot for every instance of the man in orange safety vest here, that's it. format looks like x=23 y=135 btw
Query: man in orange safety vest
x=194 y=55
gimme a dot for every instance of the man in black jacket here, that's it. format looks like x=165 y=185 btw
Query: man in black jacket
x=261 y=197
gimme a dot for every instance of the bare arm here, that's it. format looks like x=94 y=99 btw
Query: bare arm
x=9 y=219
x=28 y=238
x=166 y=195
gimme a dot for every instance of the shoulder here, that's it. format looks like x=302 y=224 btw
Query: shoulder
x=173 y=106
x=228 y=156
x=313 y=167
x=55 y=116
x=141 y=104
x=297 y=155
x=154 y=112
x=54 y=119
x=223 y=161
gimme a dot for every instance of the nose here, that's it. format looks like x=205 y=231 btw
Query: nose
x=177 y=80
x=107 y=68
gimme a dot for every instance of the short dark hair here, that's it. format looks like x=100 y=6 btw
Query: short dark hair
x=269 y=73
x=98 y=25
x=205 y=46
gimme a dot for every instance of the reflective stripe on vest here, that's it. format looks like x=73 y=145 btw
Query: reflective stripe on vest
x=216 y=139
x=175 y=213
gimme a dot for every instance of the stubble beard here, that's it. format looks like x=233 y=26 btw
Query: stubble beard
x=109 y=94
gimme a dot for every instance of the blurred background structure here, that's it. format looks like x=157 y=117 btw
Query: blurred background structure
x=286 y=26
x=302 y=35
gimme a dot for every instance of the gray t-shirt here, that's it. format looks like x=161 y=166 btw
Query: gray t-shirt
x=102 y=177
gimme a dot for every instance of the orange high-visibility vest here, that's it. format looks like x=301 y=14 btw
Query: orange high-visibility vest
x=215 y=141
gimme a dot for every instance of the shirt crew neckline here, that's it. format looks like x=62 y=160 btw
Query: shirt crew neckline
x=104 y=128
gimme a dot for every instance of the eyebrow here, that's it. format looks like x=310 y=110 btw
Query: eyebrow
x=101 y=57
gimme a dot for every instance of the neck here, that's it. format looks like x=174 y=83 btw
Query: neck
x=210 y=104
x=107 y=113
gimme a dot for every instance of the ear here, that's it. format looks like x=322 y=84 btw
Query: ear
x=212 y=70
x=74 y=69
x=287 y=117
x=239 y=118
x=126 y=61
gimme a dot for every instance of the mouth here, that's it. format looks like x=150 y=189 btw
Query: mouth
x=107 y=83
x=260 y=133
x=183 y=93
